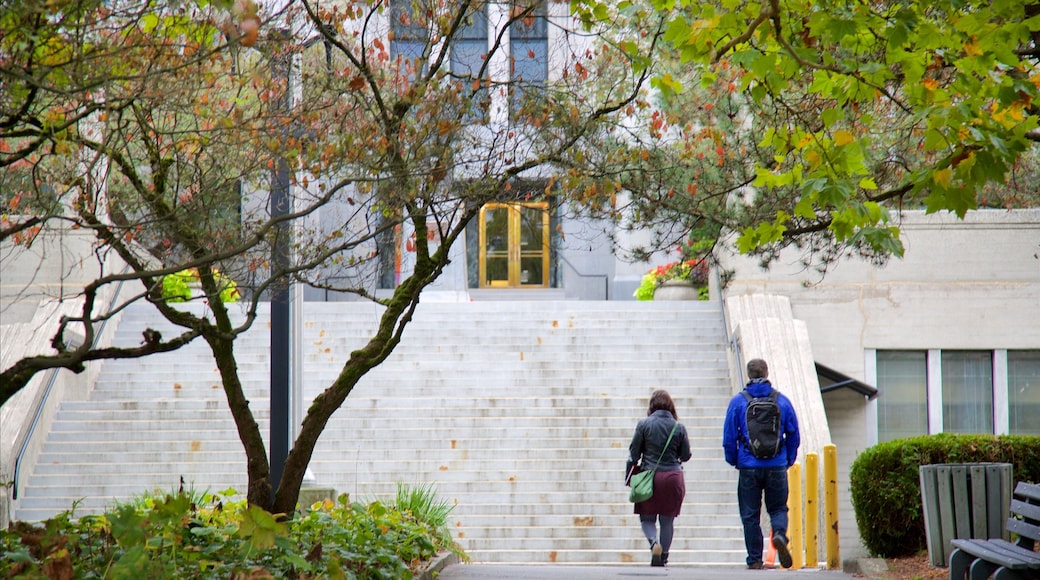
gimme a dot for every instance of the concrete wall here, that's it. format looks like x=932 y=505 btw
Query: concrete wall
x=961 y=285
x=54 y=267
x=39 y=285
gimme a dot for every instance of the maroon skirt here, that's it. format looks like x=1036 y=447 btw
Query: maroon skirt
x=669 y=491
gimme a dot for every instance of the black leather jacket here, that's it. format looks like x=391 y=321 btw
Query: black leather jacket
x=650 y=437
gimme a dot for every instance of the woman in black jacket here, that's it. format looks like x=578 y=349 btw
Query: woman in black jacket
x=647 y=451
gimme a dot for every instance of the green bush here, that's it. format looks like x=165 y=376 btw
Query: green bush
x=177 y=287
x=191 y=535
x=886 y=485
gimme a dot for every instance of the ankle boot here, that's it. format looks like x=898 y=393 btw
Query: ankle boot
x=664 y=558
x=656 y=555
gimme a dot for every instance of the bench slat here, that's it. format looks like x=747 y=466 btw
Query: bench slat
x=1028 y=491
x=1028 y=511
x=982 y=549
x=1000 y=552
x=1023 y=529
x=1031 y=558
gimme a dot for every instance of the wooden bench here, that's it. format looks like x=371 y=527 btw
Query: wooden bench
x=979 y=559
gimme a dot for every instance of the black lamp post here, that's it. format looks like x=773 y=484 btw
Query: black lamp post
x=281 y=348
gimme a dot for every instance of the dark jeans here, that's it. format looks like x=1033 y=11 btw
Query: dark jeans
x=752 y=485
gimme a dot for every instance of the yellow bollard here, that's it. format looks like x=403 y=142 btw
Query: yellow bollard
x=812 y=510
x=794 y=516
x=830 y=498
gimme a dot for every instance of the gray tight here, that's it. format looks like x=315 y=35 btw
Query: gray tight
x=649 y=525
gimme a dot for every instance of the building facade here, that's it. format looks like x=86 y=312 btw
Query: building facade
x=947 y=333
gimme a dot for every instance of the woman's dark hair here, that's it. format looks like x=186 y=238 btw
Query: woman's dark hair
x=661 y=400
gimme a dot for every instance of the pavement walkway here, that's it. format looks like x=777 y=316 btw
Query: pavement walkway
x=448 y=567
x=548 y=572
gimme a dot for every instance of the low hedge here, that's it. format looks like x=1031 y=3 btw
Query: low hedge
x=886 y=485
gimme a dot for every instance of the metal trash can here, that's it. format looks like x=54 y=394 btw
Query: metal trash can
x=964 y=500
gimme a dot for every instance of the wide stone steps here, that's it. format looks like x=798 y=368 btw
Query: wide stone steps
x=519 y=415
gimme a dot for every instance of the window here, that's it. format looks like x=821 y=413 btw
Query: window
x=529 y=54
x=1024 y=392
x=957 y=391
x=468 y=54
x=409 y=38
x=967 y=391
x=902 y=382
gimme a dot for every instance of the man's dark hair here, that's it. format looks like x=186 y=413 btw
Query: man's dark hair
x=757 y=369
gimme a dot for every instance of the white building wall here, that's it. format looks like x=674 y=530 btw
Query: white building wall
x=961 y=285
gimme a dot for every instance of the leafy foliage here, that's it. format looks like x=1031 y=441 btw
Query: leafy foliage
x=177 y=287
x=170 y=134
x=693 y=271
x=202 y=535
x=886 y=486
x=809 y=123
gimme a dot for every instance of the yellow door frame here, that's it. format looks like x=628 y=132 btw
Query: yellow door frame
x=502 y=259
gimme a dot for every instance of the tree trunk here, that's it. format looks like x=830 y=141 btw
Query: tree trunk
x=388 y=335
x=258 y=468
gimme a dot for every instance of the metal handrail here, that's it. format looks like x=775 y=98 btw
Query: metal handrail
x=606 y=279
x=47 y=393
x=53 y=376
x=731 y=340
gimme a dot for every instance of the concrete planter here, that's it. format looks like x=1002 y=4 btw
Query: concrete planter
x=677 y=290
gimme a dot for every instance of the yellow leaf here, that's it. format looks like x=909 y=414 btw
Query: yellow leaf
x=943 y=177
x=971 y=48
x=843 y=137
x=813 y=158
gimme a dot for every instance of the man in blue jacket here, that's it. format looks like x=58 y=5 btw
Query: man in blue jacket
x=761 y=476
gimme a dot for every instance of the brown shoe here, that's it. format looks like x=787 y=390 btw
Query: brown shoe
x=755 y=566
x=655 y=555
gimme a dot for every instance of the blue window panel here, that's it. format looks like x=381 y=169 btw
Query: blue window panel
x=529 y=55
x=410 y=37
x=469 y=52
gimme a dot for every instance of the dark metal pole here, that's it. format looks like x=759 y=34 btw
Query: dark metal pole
x=280 y=333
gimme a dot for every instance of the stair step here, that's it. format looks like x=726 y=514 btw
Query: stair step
x=518 y=413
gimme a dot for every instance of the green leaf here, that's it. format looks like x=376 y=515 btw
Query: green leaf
x=831 y=116
x=149 y=22
x=804 y=208
x=19 y=555
x=127 y=526
x=260 y=528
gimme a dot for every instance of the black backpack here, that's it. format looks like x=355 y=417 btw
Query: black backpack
x=764 y=437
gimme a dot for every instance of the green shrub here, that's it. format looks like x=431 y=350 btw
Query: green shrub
x=177 y=287
x=193 y=535
x=886 y=485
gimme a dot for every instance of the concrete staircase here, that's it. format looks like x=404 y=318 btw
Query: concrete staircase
x=518 y=413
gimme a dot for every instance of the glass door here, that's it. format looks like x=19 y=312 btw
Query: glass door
x=514 y=245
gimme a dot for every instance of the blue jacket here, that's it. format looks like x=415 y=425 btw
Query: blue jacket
x=649 y=438
x=734 y=431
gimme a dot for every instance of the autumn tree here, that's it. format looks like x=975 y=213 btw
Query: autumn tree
x=116 y=118
x=166 y=143
x=808 y=123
